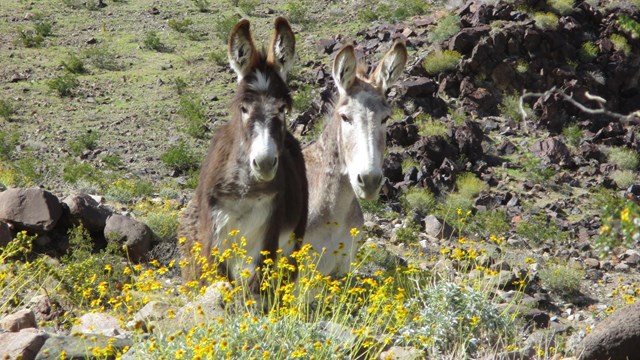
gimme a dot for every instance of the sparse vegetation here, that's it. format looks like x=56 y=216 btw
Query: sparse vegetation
x=248 y=6
x=573 y=134
x=63 y=85
x=86 y=141
x=563 y=279
x=8 y=142
x=302 y=98
x=152 y=42
x=126 y=191
x=620 y=43
x=223 y=26
x=181 y=26
x=624 y=178
x=6 y=109
x=420 y=200
x=441 y=61
x=219 y=57
x=192 y=112
x=588 y=51
x=546 y=21
x=297 y=11
x=624 y=158
x=444 y=29
x=539 y=229
x=102 y=58
x=510 y=108
x=73 y=64
x=562 y=7
x=180 y=158
x=29 y=38
x=469 y=185
x=202 y=5
x=629 y=25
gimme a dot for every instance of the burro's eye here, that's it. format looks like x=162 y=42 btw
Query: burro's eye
x=345 y=118
x=244 y=109
x=282 y=108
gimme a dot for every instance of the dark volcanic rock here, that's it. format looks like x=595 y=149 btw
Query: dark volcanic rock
x=403 y=133
x=132 y=233
x=392 y=167
x=552 y=150
x=86 y=211
x=431 y=152
x=468 y=138
x=617 y=337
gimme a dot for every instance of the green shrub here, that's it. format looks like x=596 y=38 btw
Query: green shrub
x=73 y=64
x=624 y=178
x=538 y=229
x=74 y=172
x=468 y=185
x=181 y=26
x=624 y=158
x=152 y=42
x=522 y=66
x=430 y=127
x=546 y=21
x=29 y=38
x=510 y=108
x=620 y=43
x=562 y=7
x=588 y=51
x=192 y=112
x=248 y=6
x=419 y=199
x=444 y=29
x=8 y=142
x=297 y=11
x=219 y=57
x=102 y=58
x=562 y=279
x=85 y=141
x=441 y=61
x=6 y=109
x=202 y=5
x=368 y=14
x=127 y=191
x=63 y=85
x=408 y=233
x=112 y=161
x=408 y=163
x=629 y=25
x=573 y=134
x=180 y=85
x=491 y=222
x=223 y=26
x=302 y=98
x=180 y=158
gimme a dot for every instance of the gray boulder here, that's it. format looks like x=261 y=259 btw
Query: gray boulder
x=130 y=232
x=21 y=345
x=15 y=322
x=616 y=338
x=77 y=347
x=33 y=209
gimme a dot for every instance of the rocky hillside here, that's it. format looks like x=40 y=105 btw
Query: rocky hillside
x=511 y=168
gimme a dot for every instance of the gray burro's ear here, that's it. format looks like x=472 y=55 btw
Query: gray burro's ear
x=390 y=67
x=344 y=68
x=243 y=55
x=283 y=47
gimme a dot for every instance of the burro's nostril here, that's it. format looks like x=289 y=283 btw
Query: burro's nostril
x=275 y=161
x=255 y=163
x=360 y=181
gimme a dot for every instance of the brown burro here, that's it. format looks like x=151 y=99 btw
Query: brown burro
x=252 y=186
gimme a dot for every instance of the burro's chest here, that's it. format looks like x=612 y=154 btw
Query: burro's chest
x=245 y=217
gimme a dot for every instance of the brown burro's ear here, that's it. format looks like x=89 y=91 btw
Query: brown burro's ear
x=390 y=67
x=242 y=53
x=283 y=47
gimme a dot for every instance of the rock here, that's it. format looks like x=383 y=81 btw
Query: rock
x=538 y=318
x=617 y=337
x=431 y=152
x=553 y=150
x=420 y=87
x=203 y=308
x=468 y=137
x=132 y=233
x=591 y=263
x=22 y=345
x=403 y=133
x=77 y=347
x=44 y=309
x=392 y=167
x=437 y=228
x=401 y=353
x=464 y=41
x=5 y=234
x=152 y=311
x=506 y=148
x=22 y=319
x=87 y=211
x=97 y=323
x=30 y=209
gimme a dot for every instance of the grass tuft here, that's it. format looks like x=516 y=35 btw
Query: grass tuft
x=440 y=61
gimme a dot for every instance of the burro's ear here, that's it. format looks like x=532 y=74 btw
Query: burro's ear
x=243 y=55
x=283 y=47
x=390 y=67
x=344 y=68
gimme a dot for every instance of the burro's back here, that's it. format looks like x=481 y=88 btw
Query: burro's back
x=252 y=198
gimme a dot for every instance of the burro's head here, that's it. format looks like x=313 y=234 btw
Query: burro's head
x=363 y=111
x=263 y=96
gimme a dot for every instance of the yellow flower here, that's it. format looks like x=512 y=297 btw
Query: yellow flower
x=107 y=268
x=354 y=232
x=234 y=232
x=624 y=215
x=179 y=354
x=182 y=240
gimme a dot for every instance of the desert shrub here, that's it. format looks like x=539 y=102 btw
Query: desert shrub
x=368 y=14
x=248 y=6
x=29 y=38
x=223 y=26
x=160 y=216
x=562 y=7
x=297 y=11
x=448 y=312
x=620 y=43
x=430 y=127
x=192 y=112
x=302 y=98
x=441 y=61
x=126 y=191
x=63 y=85
x=491 y=222
x=624 y=178
x=629 y=25
x=620 y=219
x=408 y=233
x=102 y=58
x=562 y=279
x=202 y=5
x=538 y=229
x=43 y=28
x=469 y=186
x=8 y=142
x=573 y=134
x=6 y=109
x=180 y=85
x=73 y=64
x=181 y=26
x=408 y=163
x=510 y=108
x=624 y=158
x=419 y=199
x=588 y=51
x=85 y=141
x=180 y=158
x=74 y=172
x=152 y=42
x=112 y=161
x=444 y=29
x=219 y=57
x=546 y=21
